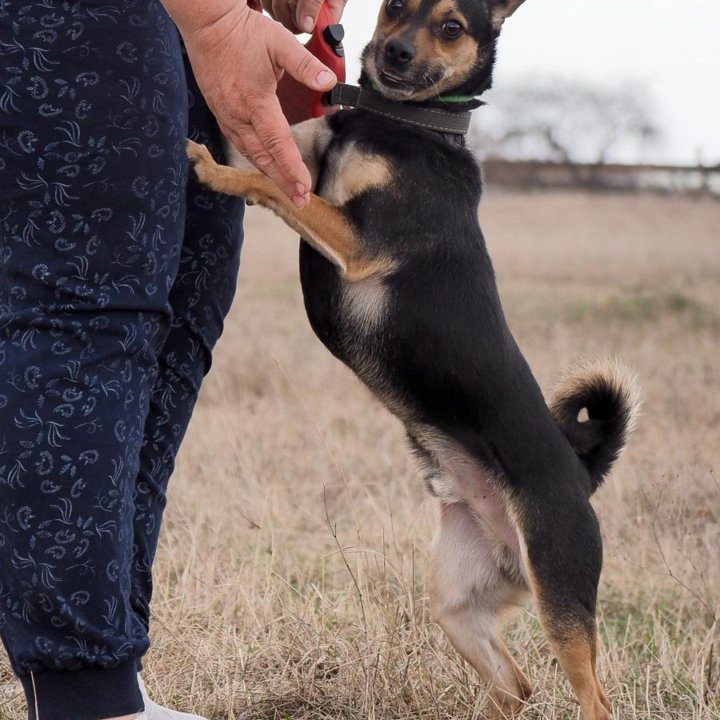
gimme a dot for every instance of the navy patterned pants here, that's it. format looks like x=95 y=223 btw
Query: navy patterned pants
x=116 y=276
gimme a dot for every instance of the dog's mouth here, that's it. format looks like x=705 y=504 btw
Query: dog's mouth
x=400 y=86
x=394 y=79
x=397 y=82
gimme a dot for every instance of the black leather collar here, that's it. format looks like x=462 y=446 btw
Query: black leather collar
x=436 y=115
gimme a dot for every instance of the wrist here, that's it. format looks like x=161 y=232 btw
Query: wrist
x=194 y=17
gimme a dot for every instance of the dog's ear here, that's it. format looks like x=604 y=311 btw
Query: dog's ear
x=501 y=9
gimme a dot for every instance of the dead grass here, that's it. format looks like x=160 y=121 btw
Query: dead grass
x=291 y=575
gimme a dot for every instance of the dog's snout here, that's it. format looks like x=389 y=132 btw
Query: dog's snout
x=399 y=52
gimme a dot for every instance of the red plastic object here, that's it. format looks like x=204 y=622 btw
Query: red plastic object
x=299 y=102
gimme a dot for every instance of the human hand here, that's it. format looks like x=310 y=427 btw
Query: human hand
x=238 y=60
x=301 y=15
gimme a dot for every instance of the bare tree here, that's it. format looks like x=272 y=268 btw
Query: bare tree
x=562 y=121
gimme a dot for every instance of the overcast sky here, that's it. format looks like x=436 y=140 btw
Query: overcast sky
x=672 y=46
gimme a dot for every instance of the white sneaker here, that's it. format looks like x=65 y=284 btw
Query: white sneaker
x=153 y=711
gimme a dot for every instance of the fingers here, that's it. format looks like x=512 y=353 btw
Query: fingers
x=280 y=158
x=301 y=15
x=268 y=143
x=237 y=67
x=284 y=12
x=307 y=12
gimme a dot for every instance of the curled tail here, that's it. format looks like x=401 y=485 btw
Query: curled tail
x=609 y=393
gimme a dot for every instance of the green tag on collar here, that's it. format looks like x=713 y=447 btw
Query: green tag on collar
x=449 y=99
x=455 y=98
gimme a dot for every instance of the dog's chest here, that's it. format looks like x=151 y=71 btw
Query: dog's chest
x=365 y=304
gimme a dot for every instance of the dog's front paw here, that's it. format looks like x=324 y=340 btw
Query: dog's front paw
x=201 y=160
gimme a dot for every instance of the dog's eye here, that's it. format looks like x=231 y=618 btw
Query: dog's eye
x=395 y=7
x=451 y=28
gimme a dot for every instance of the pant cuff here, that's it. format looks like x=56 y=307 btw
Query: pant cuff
x=88 y=694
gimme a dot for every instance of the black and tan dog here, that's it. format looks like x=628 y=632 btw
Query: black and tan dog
x=399 y=286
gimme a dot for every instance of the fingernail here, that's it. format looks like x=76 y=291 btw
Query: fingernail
x=324 y=77
x=300 y=189
x=299 y=201
x=308 y=24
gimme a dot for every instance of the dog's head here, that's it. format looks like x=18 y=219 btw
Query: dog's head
x=425 y=48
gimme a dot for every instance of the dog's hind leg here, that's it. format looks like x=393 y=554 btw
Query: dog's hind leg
x=321 y=224
x=563 y=557
x=469 y=589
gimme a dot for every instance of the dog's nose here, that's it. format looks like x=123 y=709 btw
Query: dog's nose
x=399 y=52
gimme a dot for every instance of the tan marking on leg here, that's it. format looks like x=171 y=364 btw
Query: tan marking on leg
x=575 y=647
x=601 y=693
x=321 y=224
x=575 y=655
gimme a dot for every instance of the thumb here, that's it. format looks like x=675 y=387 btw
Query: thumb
x=291 y=56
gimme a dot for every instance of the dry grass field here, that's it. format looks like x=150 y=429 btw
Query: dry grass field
x=291 y=573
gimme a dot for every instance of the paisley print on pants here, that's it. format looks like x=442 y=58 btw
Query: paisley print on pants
x=116 y=276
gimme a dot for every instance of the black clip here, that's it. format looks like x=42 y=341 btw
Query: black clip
x=334 y=35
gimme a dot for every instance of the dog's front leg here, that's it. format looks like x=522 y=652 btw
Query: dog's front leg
x=312 y=138
x=320 y=223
